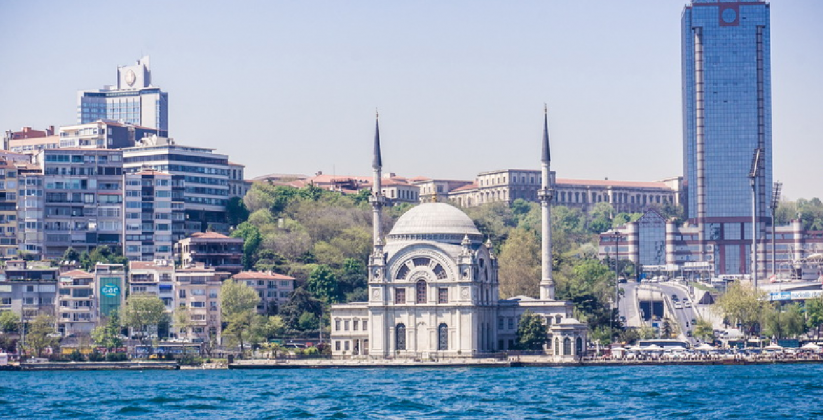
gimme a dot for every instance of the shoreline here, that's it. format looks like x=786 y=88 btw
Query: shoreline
x=387 y=364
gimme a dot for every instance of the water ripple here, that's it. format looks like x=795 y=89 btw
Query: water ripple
x=635 y=392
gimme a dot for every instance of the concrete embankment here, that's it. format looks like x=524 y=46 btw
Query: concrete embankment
x=393 y=364
x=100 y=366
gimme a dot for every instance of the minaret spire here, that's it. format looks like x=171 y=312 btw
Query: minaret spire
x=545 y=196
x=376 y=198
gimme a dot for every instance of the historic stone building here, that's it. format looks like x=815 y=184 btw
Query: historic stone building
x=433 y=289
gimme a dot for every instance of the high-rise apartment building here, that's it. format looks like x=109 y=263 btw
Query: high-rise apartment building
x=726 y=70
x=150 y=215
x=134 y=100
x=200 y=179
x=83 y=199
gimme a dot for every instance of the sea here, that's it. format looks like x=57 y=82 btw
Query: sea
x=614 y=392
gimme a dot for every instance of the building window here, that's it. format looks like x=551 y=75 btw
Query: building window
x=400 y=337
x=443 y=295
x=346 y=325
x=567 y=346
x=579 y=346
x=399 y=295
x=442 y=337
x=365 y=325
x=355 y=324
x=337 y=325
x=421 y=291
x=346 y=344
x=337 y=345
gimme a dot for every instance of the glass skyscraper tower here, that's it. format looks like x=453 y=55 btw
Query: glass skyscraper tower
x=134 y=100
x=727 y=111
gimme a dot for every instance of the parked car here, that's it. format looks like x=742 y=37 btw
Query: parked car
x=678 y=305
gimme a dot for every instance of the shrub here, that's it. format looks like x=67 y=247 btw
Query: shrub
x=96 y=356
x=116 y=357
x=191 y=360
x=76 y=356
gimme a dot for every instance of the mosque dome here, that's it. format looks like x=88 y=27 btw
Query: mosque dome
x=435 y=219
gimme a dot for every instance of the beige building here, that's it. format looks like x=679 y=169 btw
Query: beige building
x=8 y=209
x=197 y=310
x=76 y=303
x=274 y=289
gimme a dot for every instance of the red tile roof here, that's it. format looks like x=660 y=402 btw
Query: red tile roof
x=76 y=273
x=259 y=275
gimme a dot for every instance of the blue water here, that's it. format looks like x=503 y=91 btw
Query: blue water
x=767 y=391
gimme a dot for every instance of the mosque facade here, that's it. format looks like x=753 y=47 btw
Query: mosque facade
x=433 y=289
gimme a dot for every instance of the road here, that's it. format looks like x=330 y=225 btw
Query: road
x=629 y=305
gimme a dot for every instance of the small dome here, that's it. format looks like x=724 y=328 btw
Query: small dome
x=434 y=218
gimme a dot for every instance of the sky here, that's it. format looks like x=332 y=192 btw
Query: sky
x=292 y=86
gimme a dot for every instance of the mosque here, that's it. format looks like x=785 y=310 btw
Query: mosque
x=433 y=288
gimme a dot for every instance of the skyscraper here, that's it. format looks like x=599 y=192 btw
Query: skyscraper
x=726 y=118
x=134 y=100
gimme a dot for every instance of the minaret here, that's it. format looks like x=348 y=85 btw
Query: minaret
x=377 y=201
x=545 y=196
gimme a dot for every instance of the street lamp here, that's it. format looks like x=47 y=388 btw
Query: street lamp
x=775 y=201
x=753 y=175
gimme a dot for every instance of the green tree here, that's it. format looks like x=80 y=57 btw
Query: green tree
x=236 y=211
x=784 y=321
x=239 y=303
x=108 y=334
x=814 y=313
x=531 y=332
x=251 y=242
x=600 y=217
x=9 y=322
x=71 y=255
x=519 y=263
x=39 y=334
x=142 y=312
x=704 y=330
x=300 y=301
x=323 y=285
x=308 y=321
x=742 y=305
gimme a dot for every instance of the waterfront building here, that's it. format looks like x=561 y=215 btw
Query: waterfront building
x=154 y=278
x=433 y=289
x=274 y=289
x=437 y=190
x=110 y=286
x=76 y=304
x=213 y=250
x=83 y=191
x=727 y=108
x=200 y=179
x=197 y=304
x=28 y=137
x=150 y=216
x=133 y=100
x=28 y=289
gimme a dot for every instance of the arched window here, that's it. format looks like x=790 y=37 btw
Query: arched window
x=421 y=291
x=567 y=346
x=442 y=337
x=579 y=346
x=400 y=337
x=556 y=346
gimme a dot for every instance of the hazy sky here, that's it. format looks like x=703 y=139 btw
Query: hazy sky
x=292 y=86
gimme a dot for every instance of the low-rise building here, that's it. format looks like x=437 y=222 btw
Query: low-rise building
x=197 y=310
x=28 y=289
x=110 y=284
x=274 y=289
x=76 y=308
x=213 y=250
x=154 y=278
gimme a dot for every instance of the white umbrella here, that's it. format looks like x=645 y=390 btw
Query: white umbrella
x=705 y=347
x=810 y=346
x=773 y=347
x=653 y=347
